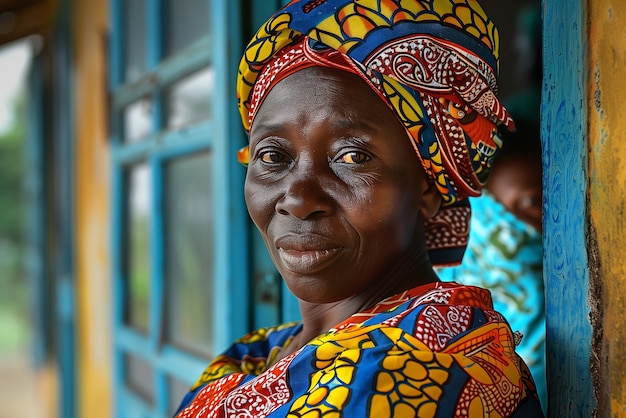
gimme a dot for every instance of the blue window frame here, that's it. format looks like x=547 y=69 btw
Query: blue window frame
x=190 y=272
x=180 y=241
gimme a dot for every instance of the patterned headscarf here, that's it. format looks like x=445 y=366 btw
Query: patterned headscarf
x=433 y=62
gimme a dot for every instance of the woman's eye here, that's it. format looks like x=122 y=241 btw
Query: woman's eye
x=271 y=157
x=354 y=157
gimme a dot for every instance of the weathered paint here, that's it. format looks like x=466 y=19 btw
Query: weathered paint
x=607 y=137
x=94 y=364
x=564 y=125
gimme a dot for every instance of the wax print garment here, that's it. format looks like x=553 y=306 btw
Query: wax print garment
x=505 y=255
x=438 y=350
x=435 y=65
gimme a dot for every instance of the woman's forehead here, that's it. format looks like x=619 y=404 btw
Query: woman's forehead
x=340 y=98
x=314 y=84
x=318 y=79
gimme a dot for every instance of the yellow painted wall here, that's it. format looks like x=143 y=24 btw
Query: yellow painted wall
x=607 y=191
x=94 y=327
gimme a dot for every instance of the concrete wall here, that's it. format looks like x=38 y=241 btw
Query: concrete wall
x=93 y=277
x=607 y=195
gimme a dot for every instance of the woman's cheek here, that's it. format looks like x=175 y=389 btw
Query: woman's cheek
x=260 y=204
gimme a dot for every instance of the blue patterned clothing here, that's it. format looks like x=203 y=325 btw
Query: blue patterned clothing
x=437 y=350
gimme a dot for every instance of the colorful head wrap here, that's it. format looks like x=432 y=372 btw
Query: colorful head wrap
x=433 y=62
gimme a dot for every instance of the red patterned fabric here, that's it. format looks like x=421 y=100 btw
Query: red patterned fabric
x=437 y=350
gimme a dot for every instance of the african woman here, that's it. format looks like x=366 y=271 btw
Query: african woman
x=370 y=123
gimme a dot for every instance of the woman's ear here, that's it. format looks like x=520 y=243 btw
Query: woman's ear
x=431 y=200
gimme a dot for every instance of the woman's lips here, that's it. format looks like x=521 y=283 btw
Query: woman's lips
x=305 y=253
x=306 y=260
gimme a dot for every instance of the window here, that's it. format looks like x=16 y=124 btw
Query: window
x=180 y=238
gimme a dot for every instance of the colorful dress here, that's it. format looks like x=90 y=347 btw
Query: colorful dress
x=505 y=255
x=438 y=350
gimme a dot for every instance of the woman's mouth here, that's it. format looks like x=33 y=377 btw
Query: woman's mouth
x=304 y=261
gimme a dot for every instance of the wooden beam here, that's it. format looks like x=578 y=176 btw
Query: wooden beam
x=22 y=18
x=14 y=5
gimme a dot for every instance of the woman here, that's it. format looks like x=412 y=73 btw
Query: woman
x=370 y=123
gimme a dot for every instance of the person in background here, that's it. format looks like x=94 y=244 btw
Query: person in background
x=370 y=123
x=504 y=252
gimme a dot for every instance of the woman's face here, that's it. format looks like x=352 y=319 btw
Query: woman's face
x=335 y=187
x=516 y=183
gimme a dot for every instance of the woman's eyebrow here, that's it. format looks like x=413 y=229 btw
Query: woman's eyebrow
x=355 y=123
x=264 y=128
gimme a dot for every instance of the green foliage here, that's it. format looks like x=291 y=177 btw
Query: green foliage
x=13 y=282
x=12 y=199
x=11 y=184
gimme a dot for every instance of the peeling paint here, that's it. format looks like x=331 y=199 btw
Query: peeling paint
x=607 y=129
x=599 y=360
x=596 y=93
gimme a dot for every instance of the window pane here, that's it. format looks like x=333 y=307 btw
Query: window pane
x=186 y=21
x=137 y=120
x=138 y=197
x=176 y=391
x=189 y=100
x=135 y=39
x=189 y=253
x=139 y=377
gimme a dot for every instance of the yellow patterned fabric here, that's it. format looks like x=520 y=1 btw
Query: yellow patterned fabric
x=434 y=63
x=437 y=350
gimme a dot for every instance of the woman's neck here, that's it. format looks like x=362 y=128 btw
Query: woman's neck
x=319 y=318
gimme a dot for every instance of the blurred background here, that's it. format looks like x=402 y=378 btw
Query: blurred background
x=126 y=256
x=16 y=329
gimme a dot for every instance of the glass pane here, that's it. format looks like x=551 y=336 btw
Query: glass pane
x=189 y=253
x=176 y=391
x=139 y=377
x=186 y=21
x=137 y=120
x=189 y=100
x=138 y=197
x=135 y=44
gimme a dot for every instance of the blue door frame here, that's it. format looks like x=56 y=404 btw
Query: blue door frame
x=63 y=213
x=36 y=224
x=50 y=221
x=564 y=136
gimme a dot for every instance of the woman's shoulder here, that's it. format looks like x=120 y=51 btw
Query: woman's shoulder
x=442 y=338
x=447 y=313
x=272 y=334
x=451 y=293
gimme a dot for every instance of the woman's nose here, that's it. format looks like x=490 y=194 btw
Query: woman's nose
x=306 y=196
